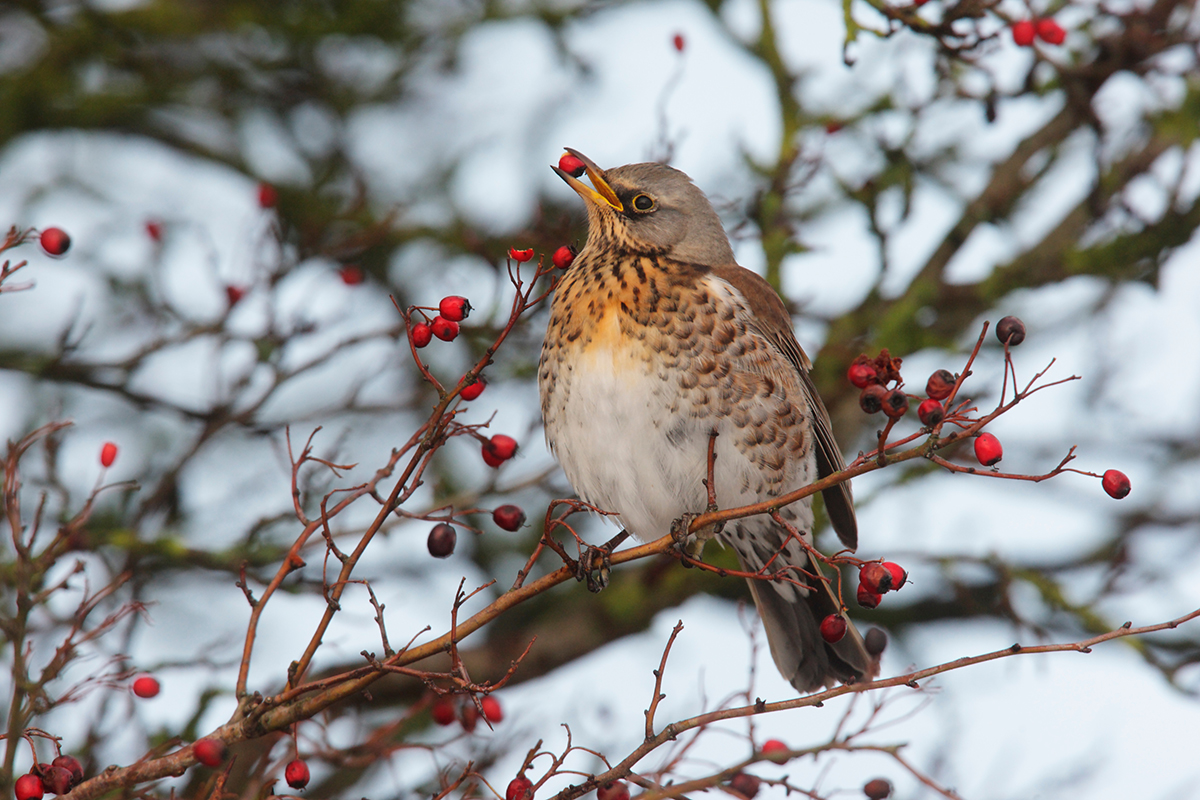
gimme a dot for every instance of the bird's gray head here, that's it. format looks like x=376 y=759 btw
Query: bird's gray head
x=651 y=208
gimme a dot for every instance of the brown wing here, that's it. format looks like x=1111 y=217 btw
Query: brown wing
x=775 y=324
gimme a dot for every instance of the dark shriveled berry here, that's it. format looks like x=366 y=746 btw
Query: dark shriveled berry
x=878 y=789
x=56 y=780
x=1010 y=331
x=867 y=598
x=875 y=641
x=895 y=404
x=940 y=384
x=745 y=784
x=442 y=540
x=70 y=764
x=871 y=399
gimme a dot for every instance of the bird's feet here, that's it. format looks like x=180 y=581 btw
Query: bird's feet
x=595 y=563
x=691 y=545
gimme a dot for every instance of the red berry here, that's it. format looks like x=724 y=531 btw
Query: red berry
x=351 y=274
x=442 y=711
x=108 y=454
x=473 y=389
x=454 y=308
x=490 y=458
x=470 y=717
x=899 y=576
x=422 y=335
x=509 y=517
x=444 y=329
x=234 y=293
x=442 y=540
x=503 y=447
x=871 y=399
x=571 y=165
x=29 y=787
x=940 y=384
x=519 y=788
x=861 y=375
x=931 y=412
x=988 y=449
x=613 y=790
x=563 y=256
x=520 y=256
x=56 y=780
x=875 y=578
x=154 y=229
x=146 y=687
x=70 y=764
x=209 y=752
x=1116 y=483
x=775 y=750
x=867 y=598
x=1010 y=330
x=1050 y=32
x=54 y=241
x=491 y=709
x=296 y=774
x=1023 y=32
x=267 y=195
x=833 y=126
x=895 y=404
x=878 y=789
x=875 y=641
x=833 y=628
x=677 y=40
x=745 y=784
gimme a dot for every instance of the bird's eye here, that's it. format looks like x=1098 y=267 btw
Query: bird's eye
x=643 y=202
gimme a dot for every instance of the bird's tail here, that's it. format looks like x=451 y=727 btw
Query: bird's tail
x=792 y=615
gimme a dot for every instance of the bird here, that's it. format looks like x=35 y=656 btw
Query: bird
x=658 y=343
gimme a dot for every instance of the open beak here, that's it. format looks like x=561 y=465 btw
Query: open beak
x=602 y=195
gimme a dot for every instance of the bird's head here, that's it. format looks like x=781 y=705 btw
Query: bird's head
x=650 y=208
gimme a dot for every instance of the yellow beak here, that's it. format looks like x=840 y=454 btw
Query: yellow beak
x=602 y=195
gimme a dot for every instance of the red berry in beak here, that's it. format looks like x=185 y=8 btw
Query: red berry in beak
x=571 y=165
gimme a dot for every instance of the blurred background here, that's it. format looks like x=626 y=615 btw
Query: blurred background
x=246 y=184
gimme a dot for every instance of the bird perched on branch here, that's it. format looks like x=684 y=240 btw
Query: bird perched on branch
x=657 y=341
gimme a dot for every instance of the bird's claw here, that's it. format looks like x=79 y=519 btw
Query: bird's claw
x=595 y=563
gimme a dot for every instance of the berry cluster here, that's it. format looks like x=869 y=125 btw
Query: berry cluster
x=1024 y=31
x=451 y=311
x=873 y=375
x=448 y=710
x=875 y=579
x=58 y=777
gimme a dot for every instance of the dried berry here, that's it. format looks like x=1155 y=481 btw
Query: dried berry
x=209 y=752
x=833 y=628
x=861 y=375
x=444 y=329
x=296 y=774
x=454 y=308
x=875 y=578
x=875 y=641
x=931 y=412
x=509 y=517
x=895 y=404
x=1023 y=32
x=745 y=784
x=422 y=334
x=1116 y=483
x=1050 y=31
x=441 y=540
x=940 y=384
x=70 y=764
x=878 y=789
x=146 y=687
x=492 y=711
x=871 y=399
x=108 y=454
x=564 y=256
x=571 y=165
x=56 y=780
x=867 y=598
x=988 y=449
x=1010 y=330
x=520 y=256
